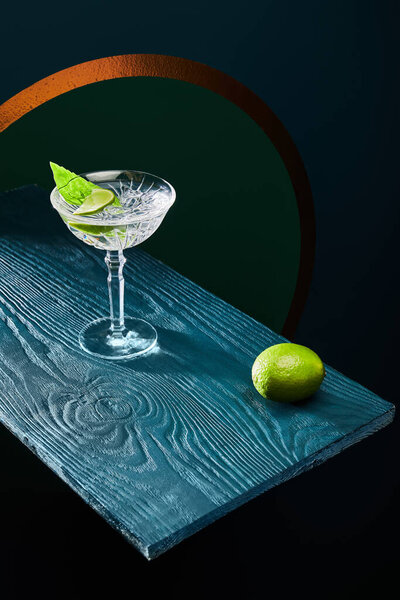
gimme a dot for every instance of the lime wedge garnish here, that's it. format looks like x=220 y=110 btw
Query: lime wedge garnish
x=98 y=199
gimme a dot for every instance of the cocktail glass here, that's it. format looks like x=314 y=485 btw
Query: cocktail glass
x=145 y=200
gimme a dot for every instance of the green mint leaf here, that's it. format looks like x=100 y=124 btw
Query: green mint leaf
x=73 y=188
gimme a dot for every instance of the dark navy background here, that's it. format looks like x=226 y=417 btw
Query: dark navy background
x=329 y=71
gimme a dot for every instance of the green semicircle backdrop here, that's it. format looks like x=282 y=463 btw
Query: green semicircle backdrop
x=234 y=228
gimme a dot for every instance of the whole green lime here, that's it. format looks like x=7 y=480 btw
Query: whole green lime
x=287 y=372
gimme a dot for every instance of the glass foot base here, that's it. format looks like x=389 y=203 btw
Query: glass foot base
x=137 y=338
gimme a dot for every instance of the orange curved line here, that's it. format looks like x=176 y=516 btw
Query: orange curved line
x=155 y=65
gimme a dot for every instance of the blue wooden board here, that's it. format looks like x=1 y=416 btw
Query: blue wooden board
x=166 y=443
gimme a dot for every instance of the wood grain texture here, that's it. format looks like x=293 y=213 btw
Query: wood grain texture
x=164 y=444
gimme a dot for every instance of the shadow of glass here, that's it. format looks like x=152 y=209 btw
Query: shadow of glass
x=192 y=354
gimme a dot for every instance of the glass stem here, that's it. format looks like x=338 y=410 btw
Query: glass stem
x=115 y=261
